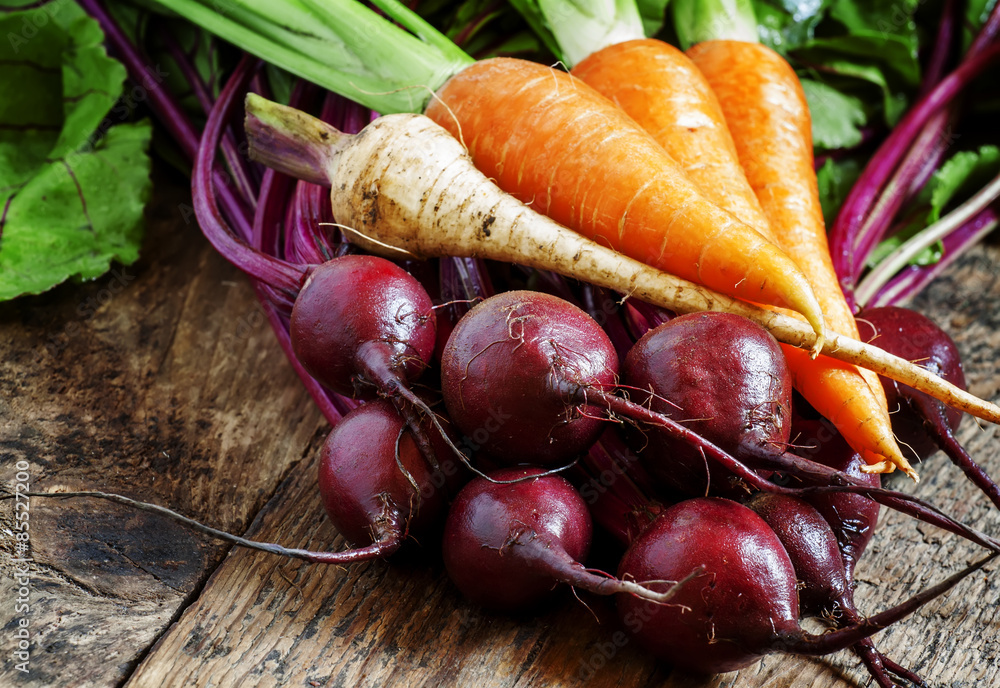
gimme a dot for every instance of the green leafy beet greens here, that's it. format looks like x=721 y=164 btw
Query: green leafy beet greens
x=74 y=174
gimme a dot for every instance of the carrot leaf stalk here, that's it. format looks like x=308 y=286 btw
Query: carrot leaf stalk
x=352 y=51
x=702 y=20
x=574 y=30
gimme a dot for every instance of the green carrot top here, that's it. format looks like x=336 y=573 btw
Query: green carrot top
x=341 y=45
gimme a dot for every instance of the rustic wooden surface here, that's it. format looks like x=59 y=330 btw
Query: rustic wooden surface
x=172 y=388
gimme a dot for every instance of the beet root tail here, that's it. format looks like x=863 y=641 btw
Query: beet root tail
x=810 y=644
x=544 y=555
x=936 y=425
x=389 y=532
x=880 y=667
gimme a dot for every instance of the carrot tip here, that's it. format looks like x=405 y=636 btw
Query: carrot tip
x=908 y=469
x=818 y=324
x=889 y=467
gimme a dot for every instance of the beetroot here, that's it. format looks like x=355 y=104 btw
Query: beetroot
x=375 y=485
x=525 y=375
x=812 y=548
x=512 y=371
x=728 y=614
x=529 y=374
x=825 y=588
x=372 y=498
x=723 y=377
x=509 y=539
x=362 y=325
x=852 y=517
x=744 y=604
x=923 y=423
x=916 y=338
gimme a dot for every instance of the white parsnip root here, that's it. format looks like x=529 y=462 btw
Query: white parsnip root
x=404 y=186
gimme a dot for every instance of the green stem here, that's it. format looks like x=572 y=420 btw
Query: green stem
x=713 y=20
x=341 y=45
x=412 y=21
x=573 y=29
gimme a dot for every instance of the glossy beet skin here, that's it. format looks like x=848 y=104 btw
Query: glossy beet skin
x=362 y=324
x=365 y=494
x=812 y=548
x=924 y=422
x=914 y=337
x=495 y=532
x=726 y=618
x=512 y=372
x=723 y=377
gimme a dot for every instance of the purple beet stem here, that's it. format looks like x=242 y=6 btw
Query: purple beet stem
x=913 y=279
x=898 y=167
x=922 y=157
x=176 y=121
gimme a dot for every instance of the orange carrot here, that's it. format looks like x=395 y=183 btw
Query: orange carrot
x=768 y=117
x=668 y=97
x=555 y=143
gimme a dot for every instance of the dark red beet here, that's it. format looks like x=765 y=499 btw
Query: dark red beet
x=851 y=516
x=366 y=495
x=507 y=544
x=511 y=373
x=745 y=602
x=923 y=422
x=812 y=548
x=490 y=524
x=525 y=374
x=747 y=590
x=723 y=377
x=825 y=590
x=916 y=338
x=361 y=324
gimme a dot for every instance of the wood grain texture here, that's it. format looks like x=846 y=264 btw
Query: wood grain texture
x=174 y=392
x=162 y=381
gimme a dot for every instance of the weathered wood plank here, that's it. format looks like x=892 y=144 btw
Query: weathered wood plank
x=162 y=381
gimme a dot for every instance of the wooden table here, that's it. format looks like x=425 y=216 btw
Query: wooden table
x=163 y=381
